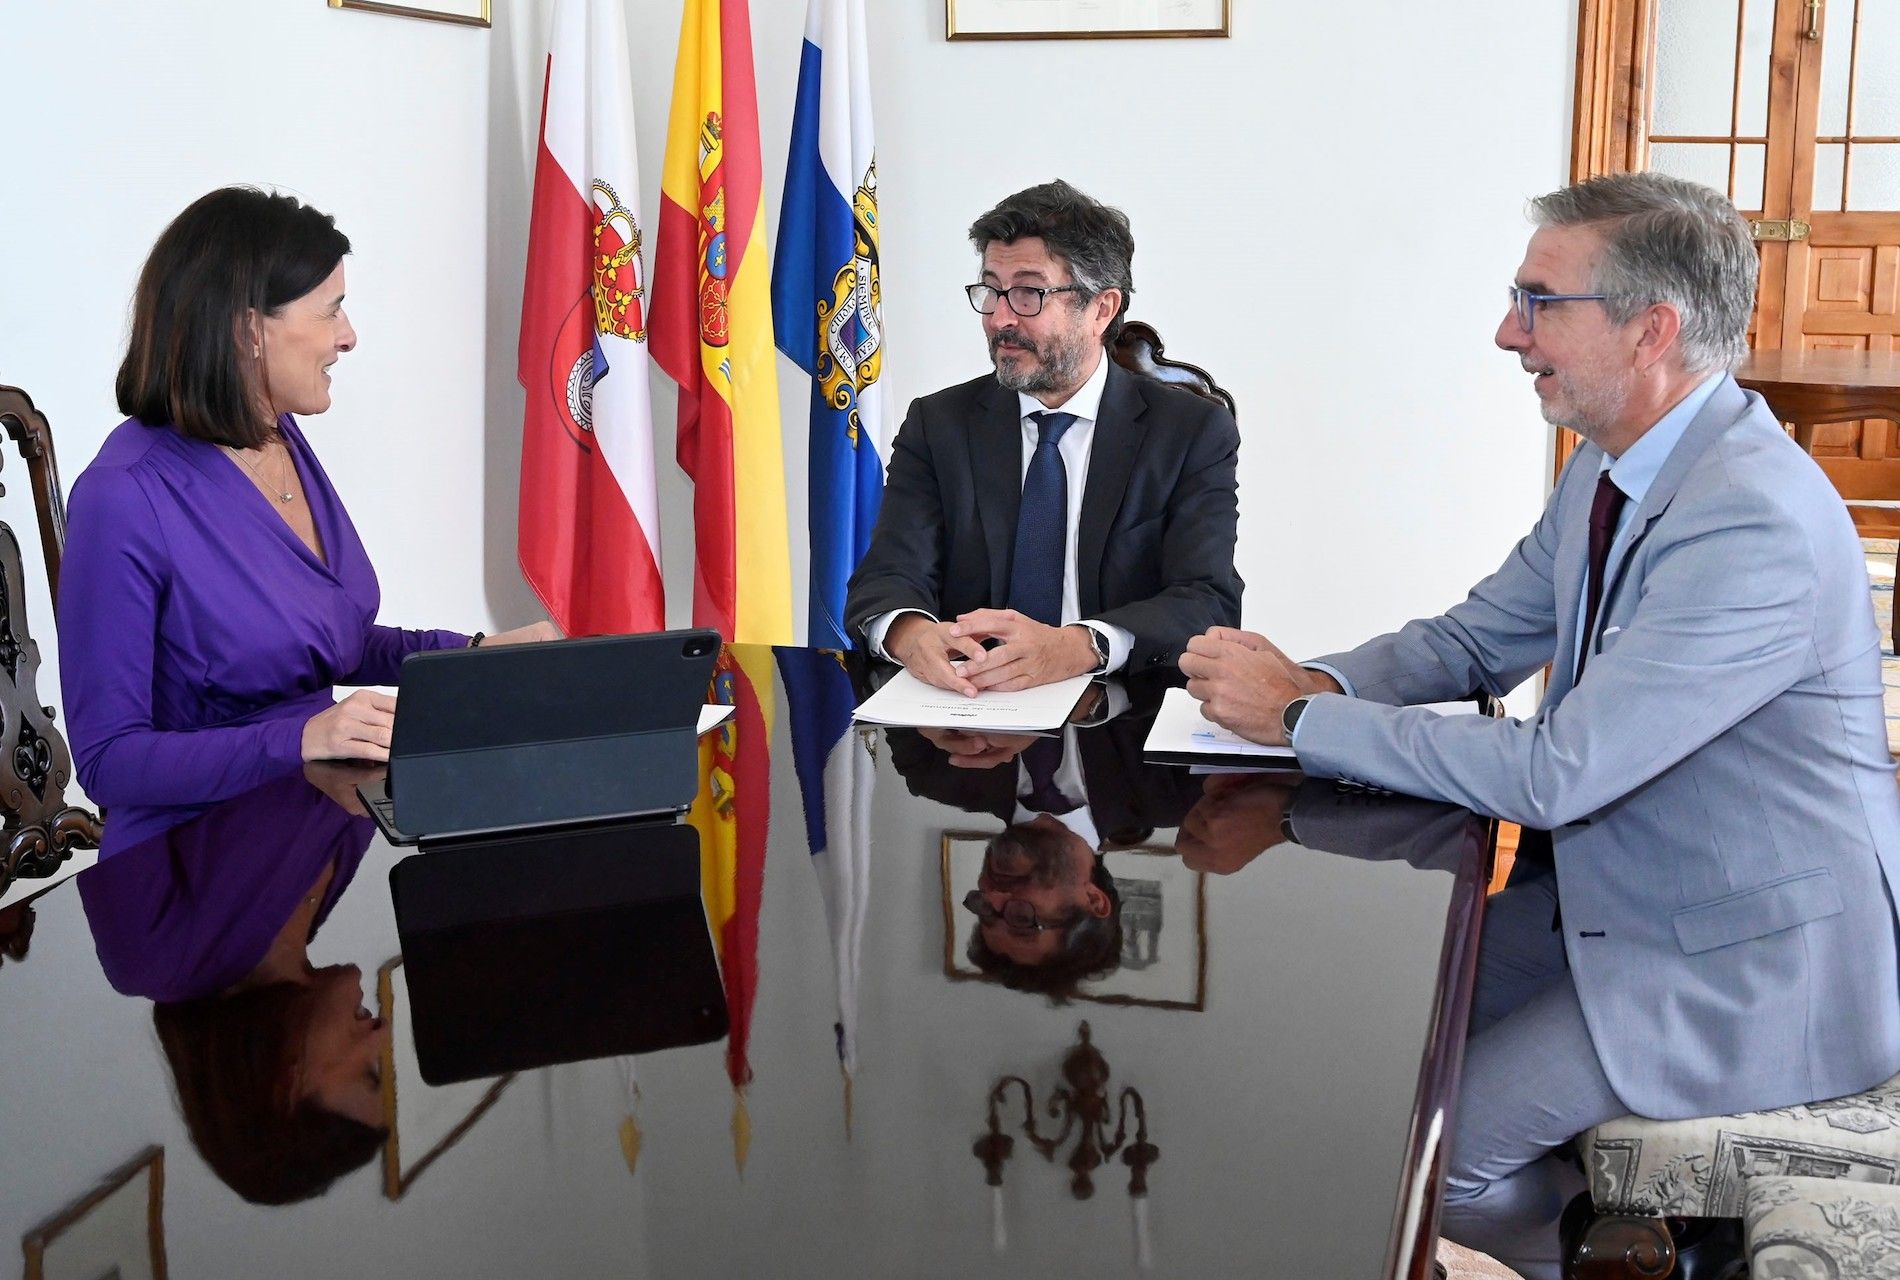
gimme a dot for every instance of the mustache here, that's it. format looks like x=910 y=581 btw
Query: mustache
x=1015 y=338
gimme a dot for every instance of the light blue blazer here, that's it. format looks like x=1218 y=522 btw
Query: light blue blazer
x=1724 y=814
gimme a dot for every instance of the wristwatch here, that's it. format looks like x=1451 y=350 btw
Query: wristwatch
x=1100 y=642
x=1290 y=715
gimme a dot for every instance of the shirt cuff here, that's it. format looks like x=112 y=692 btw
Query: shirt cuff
x=876 y=628
x=1121 y=643
x=1345 y=685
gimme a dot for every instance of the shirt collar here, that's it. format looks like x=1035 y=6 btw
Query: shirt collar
x=1085 y=404
x=1640 y=464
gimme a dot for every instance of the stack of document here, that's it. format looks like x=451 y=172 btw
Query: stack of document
x=908 y=701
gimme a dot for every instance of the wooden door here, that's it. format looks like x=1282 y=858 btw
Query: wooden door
x=1793 y=108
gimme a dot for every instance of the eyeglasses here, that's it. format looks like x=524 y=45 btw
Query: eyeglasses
x=1525 y=303
x=1023 y=299
x=1016 y=914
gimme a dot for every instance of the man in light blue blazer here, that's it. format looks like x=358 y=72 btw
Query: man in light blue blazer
x=1709 y=760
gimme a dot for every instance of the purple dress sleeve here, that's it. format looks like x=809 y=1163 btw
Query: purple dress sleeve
x=384 y=648
x=113 y=577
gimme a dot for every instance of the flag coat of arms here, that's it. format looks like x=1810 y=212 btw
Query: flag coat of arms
x=827 y=300
x=712 y=330
x=589 y=519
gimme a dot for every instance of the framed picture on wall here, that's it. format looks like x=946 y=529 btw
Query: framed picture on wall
x=1163 y=910
x=1084 y=19
x=469 y=13
x=424 y=1120
x=116 y=1231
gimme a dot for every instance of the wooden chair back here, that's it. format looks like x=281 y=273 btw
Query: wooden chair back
x=38 y=829
x=1138 y=349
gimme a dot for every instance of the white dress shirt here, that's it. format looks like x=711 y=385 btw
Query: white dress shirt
x=1076 y=445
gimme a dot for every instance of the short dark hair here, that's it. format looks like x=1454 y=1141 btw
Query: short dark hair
x=1091 y=946
x=233 y=1061
x=232 y=252
x=1093 y=238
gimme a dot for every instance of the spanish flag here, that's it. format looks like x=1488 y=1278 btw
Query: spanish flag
x=711 y=330
x=731 y=813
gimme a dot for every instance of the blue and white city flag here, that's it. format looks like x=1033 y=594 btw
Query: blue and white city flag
x=835 y=779
x=827 y=301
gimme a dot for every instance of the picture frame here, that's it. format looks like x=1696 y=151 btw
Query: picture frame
x=116 y=1231
x=1164 y=964
x=467 y=13
x=1086 y=19
x=435 y=1117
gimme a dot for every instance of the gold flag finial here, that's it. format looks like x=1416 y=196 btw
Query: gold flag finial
x=741 y=1131
x=630 y=1140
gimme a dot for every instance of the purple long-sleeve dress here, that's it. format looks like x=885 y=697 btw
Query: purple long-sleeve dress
x=197 y=633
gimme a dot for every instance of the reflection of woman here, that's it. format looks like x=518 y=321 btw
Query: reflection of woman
x=214 y=589
x=275 y=1061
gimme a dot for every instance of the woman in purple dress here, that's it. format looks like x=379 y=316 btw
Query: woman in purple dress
x=214 y=590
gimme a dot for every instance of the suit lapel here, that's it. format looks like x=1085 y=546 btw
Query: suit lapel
x=996 y=467
x=1573 y=560
x=1112 y=454
x=1723 y=408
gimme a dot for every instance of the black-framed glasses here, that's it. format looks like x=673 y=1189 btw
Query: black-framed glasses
x=1016 y=914
x=1524 y=303
x=1023 y=299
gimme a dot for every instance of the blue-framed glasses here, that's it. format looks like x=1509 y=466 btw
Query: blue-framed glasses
x=1024 y=299
x=1524 y=303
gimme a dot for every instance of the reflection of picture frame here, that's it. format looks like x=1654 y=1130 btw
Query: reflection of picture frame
x=1085 y=19
x=115 y=1232
x=432 y=1118
x=1164 y=924
x=468 y=13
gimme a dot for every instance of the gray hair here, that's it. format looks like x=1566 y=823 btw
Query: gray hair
x=1093 y=238
x=1672 y=241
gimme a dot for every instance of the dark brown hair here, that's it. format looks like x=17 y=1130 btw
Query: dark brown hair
x=1093 y=238
x=233 y=1061
x=235 y=251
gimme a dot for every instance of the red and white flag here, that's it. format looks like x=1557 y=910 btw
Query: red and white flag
x=590 y=516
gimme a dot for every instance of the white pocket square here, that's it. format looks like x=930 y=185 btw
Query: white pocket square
x=1610 y=631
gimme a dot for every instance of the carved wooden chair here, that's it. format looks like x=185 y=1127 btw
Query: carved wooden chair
x=1138 y=349
x=38 y=829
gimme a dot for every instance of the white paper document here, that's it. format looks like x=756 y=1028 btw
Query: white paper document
x=908 y=701
x=714 y=714
x=1181 y=729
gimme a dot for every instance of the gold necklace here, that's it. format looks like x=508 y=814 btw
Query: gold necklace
x=282 y=493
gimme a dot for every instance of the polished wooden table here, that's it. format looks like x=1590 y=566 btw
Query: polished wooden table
x=1809 y=388
x=1291 y=1014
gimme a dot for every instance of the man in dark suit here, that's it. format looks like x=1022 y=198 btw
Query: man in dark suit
x=1068 y=514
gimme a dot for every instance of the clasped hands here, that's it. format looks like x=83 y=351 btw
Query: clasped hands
x=950 y=655
x=1243 y=682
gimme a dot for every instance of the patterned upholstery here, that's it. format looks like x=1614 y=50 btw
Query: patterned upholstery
x=1821 y=1229
x=1700 y=1168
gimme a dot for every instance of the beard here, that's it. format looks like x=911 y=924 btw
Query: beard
x=1033 y=851
x=1588 y=402
x=1054 y=364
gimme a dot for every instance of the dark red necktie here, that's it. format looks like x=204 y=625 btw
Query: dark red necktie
x=1604 y=510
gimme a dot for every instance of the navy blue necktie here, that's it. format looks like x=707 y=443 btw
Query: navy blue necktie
x=1042 y=526
x=1042 y=759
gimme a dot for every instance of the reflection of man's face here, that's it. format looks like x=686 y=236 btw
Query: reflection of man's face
x=1052 y=876
x=341 y=1065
